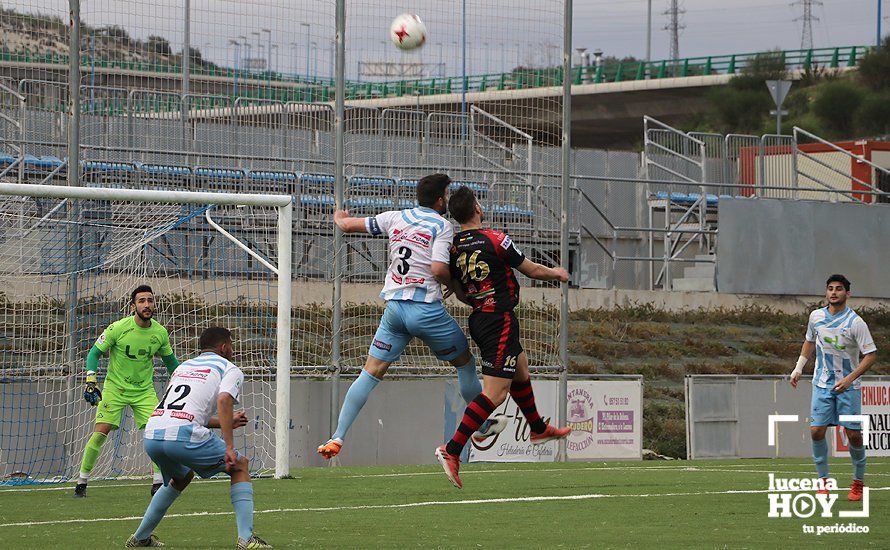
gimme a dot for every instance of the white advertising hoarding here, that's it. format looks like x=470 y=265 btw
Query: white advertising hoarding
x=606 y=417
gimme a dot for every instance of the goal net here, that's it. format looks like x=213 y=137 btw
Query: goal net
x=69 y=258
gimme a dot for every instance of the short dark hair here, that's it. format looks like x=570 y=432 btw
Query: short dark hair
x=461 y=204
x=838 y=278
x=213 y=337
x=431 y=188
x=137 y=290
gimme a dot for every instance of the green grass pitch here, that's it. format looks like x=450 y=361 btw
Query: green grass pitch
x=700 y=504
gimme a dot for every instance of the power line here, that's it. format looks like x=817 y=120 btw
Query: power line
x=806 y=35
x=675 y=26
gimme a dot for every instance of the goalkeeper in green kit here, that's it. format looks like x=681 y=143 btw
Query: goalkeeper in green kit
x=131 y=343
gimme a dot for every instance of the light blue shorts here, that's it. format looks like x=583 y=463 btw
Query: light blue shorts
x=827 y=405
x=176 y=458
x=405 y=319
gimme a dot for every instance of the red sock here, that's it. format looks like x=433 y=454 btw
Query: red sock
x=475 y=414
x=522 y=394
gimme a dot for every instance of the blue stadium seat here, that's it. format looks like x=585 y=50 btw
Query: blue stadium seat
x=164 y=176
x=271 y=181
x=511 y=218
x=102 y=173
x=479 y=189
x=370 y=195
x=218 y=179
x=685 y=198
x=316 y=200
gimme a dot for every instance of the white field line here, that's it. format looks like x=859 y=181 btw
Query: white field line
x=427 y=503
x=728 y=468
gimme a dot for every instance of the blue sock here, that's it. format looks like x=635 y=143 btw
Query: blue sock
x=355 y=400
x=857 y=456
x=820 y=456
x=156 y=510
x=469 y=383
x=242 y=501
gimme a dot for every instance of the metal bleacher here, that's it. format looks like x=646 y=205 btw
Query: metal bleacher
x=517 y=208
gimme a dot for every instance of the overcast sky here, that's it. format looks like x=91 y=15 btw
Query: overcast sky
x=501 y=33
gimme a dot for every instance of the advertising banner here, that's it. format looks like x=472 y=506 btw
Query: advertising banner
x=606 y=418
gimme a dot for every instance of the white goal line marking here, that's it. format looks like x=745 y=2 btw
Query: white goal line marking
x=420 y=504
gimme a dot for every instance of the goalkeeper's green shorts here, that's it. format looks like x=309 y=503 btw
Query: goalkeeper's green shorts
x=114 y=400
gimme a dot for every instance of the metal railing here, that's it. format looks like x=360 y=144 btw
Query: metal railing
x=289 y=87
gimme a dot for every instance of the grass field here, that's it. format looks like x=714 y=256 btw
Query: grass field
x=701 y=504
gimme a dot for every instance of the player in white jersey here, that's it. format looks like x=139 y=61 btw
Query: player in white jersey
x=837 y=336
x=179 y=440
x=419 y=246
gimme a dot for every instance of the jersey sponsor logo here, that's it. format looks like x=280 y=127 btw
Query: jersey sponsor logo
x=396 y=278
x=382 y=345
x=182 y=415
x=835 y=343
x=505 y=244
x=414 y=280
x=423 y=239
x=416 y=237
x=199 y=374
x=138 y=351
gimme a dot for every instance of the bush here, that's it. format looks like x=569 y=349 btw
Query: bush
x=836 y=104
x=874 y=68
x=873 y=115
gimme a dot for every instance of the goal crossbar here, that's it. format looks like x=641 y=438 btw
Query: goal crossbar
x=143 y=195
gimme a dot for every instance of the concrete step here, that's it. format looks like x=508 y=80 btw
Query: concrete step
x=702 y=271
x=705 y=257
x=694 y=284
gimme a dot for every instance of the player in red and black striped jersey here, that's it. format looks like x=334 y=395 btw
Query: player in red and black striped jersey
x=482 y=264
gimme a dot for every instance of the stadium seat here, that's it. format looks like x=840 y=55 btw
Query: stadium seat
x=511 y=218
x=368 y=196
x=100 y=173
x=479 y=189
x=271 y=181
x=316 y=200
x=164 y=176
x=218 y=179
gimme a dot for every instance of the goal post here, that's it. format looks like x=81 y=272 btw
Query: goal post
x=221 y=258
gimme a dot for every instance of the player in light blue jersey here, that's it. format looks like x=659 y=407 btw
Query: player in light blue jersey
x=419 y=254
x=837 y=336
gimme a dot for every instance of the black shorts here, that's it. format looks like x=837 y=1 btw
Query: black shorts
x=497 y=335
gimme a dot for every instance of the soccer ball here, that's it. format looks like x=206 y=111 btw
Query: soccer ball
x=407 y=32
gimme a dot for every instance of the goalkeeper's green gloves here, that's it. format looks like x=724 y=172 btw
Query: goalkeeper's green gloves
x=91 y=393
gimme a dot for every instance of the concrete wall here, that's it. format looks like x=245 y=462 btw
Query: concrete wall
x=790 y=247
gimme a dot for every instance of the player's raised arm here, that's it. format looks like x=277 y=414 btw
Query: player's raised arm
x=534 y=270
x=348 y=224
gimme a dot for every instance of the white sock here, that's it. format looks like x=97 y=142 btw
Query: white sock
x=84 y=477
x=157 y=478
